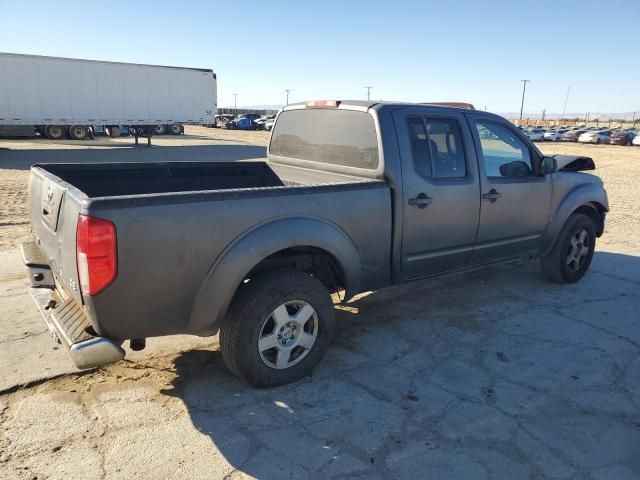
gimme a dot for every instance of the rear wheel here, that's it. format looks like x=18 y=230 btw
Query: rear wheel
x=175 y=129
x=54 y=132
x=78 y=132
x=159 y=130
x=570 y=257
x=278 y=328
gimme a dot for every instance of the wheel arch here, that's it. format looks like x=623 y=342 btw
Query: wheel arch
x=278 y=243
x=588 y=199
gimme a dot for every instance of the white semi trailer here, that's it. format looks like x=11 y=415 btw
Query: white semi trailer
x=74 y=98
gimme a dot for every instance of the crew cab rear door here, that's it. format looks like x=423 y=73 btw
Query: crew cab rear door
x=515 y=199
x=441 y=197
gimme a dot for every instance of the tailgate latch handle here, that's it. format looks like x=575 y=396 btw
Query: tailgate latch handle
x=421 y=201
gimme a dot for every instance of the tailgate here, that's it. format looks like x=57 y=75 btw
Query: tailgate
x=54 y=207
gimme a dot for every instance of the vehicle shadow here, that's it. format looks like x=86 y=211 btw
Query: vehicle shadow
x=24 y=159
x=379 y=379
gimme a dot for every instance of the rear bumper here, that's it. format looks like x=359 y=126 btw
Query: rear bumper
x=67 y=320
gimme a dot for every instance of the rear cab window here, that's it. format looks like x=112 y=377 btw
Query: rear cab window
x=334 y=136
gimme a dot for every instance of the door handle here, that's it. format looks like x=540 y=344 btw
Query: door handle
x=421 y=201
x=492 y=196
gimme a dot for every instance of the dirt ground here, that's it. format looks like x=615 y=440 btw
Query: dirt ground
x=492 y=374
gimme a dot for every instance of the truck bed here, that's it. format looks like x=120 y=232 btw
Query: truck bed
x=175 y=220
x=127 y=179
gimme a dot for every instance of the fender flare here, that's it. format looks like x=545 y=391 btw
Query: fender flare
x=245 y=252
x=587 y=195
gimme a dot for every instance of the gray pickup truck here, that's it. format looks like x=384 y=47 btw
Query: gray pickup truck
x=354 y=196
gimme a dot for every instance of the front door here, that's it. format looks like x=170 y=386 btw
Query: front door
x=441 y=197
x=515 y=199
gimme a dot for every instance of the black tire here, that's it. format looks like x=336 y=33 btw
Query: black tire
x=55 y=132
x=78 y=132
x=250 y=310
x=159 y=130
x=175 y=129
x=555 y=265
x=598 y=141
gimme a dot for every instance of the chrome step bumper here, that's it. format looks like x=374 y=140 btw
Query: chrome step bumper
x=66 y=319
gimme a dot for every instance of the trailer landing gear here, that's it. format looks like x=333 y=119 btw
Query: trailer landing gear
x=143 y=131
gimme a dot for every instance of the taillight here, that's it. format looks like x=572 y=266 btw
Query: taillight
x=96 y=253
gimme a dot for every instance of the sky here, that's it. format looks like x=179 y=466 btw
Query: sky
x=469 y=51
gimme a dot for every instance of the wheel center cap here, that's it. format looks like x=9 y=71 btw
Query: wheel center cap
x=287 y=333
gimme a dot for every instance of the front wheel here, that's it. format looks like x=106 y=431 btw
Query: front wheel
x=278 y=327
x=570 y=257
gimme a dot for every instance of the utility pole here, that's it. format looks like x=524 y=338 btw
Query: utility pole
x=544 y=112
x=368 y=93
x=524 y=89
x=235 y=103
x=633 y=120
x=565 y=102
x=288 y=92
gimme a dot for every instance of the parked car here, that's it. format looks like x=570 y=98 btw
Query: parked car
x=268 y=125
x=595 y=136
x=554 y=135
x=222 y=119
x=246 y=123
x=622 y=137
x=636 y=140
x=572 y=135
x=126 y=251
x=260 y=122
x=251 y=116
x=536 y=134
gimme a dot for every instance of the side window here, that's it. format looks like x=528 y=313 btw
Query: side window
x=504 y=154
x=436 y=146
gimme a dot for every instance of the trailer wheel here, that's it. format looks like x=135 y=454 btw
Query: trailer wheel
x=159 y=130
x=54 y=132
x=78 y=132
x=278 y=327
x=175 y=129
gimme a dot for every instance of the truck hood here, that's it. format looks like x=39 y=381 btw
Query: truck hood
x=574 y=163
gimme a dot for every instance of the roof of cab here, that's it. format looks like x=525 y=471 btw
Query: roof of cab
x=367 y=104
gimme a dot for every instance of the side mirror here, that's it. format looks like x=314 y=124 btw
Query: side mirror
x=548 y=166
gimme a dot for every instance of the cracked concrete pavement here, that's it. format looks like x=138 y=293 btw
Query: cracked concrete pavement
x=491 y=374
